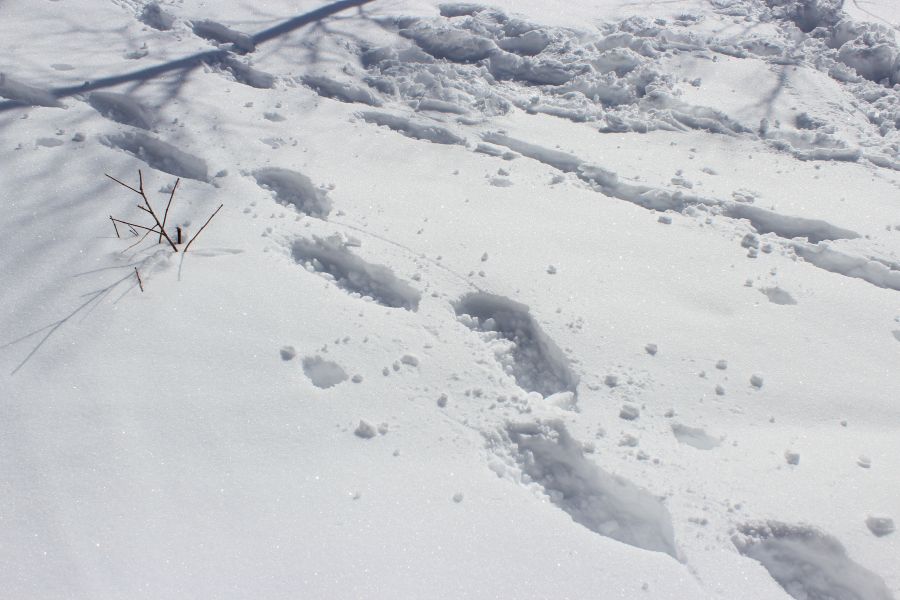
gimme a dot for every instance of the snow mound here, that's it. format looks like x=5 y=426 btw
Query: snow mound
x=522 y=348
x=808 y=564
x=880 y=525
x=604 y=503
x=451 y=43
x=330 y=257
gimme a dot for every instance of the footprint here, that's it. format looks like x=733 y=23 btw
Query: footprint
x=216 y=32
x=28 y=95
x=323 y=373
x=412 y=129
x=778 y=295
x=244 y=73
x=786 y=226
x=345 y=92
x=121 y=108
x=604 y=503
x=807 y=563
x=48 y=142
x=159 y=155
x=154 y=16
x=353 y=274
x=826 y=257
x=525 y=351
x=295 y=189
x=694 y=436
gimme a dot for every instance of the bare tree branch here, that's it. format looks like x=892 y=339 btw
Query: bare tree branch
x=148 y=208
x=168 y=204
x=201 y=229
x=134 y=225
x=122 y=184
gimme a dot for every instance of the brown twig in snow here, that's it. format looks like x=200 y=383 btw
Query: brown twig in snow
x=134 y=225
x=158 y=227
x=168 y=204
x=140 y=283
x=143 y=237
x=122 y=184
x=149 y=207
x=201 y=229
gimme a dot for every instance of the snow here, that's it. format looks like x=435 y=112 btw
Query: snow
x=511 y=299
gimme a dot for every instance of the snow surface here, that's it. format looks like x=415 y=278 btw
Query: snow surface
x=528 y=299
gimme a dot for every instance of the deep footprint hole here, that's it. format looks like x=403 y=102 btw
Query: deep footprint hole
x=531 y=357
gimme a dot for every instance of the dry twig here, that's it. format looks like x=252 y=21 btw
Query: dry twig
x=158 y=227
x=201 y=229
x=149 y=208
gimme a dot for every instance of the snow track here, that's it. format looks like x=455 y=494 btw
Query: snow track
x=608 y=505
x=809 y=564
x=159 y=154
x=351 y=273
x=555 y=317
x=413 y=129
x=295 y=189
x=524 y=351
x=121 y=108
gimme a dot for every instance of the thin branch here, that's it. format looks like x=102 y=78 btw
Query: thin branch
x=153 y=214
x=149 y=207
x=122 y=184
x=140 y=283
x=143 y=237
x=201 y=229
x=166 y=214
x=116 y=227
x=143 y=208
x=134 y=225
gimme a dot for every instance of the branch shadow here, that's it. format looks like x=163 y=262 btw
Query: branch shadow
x=187 y=64
x=93 y=298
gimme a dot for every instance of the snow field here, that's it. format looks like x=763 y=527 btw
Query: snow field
x=580 y=303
